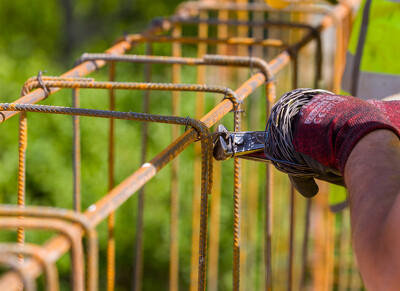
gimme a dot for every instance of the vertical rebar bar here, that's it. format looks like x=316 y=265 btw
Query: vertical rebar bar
x=269 y=192
x=236 y=211
x=174 y=198
x=305 y=244
x=111 y=217
x=23 y=143
x=76 y=153
x=200 y=79
x=291 y=239
x=222 y=32
x=138 y=252
x=239 y=168
x=292 y=193
x=343 y=276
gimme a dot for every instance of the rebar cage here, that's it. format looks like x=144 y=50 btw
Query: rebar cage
x=215 y=58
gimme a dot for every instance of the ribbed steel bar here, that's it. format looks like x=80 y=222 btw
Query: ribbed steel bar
x=236 y=213
x=193 y=7
x=59 y=226
x=139 y=86
x=194 y=270
x=13 y=262
x=305 y=244
x=215 y=210
x=174 y=195
x=279 y=61
x=138 y=250
x=241 y=50
x=226 y=61
x=338 y=12
x=76 y=153
x=216 y=60
x=344 y=252
x=110 y=174
x=49 y=269
x=291 y=240
x=71 y=216
x=234 y=22
x=269 y=191
x=281 y=57
x=23 y=143
x=100 y=210
x=292 y=204
x=215 y=41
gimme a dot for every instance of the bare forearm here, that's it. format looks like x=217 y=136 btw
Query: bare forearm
x=372 y=175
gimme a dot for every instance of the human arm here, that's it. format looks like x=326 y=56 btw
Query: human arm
x=372 y=176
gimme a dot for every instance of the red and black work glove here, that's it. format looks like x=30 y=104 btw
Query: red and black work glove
x=325 y=131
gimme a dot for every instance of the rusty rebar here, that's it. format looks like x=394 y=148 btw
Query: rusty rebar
x=193 y=7
x=111 y=161
x=237 y=213
x=100 y=210
x=49 y=269
x=200 y=78
x=23 y=143
x=269 y=190
x=206 y=144
x=59 y=226
x=213 y=41
x=76 y=153
x=216 y=60
x=174 y=195
x=222 y=32
x=68 y=215
x=138 y=251
x=13 y=262
x=234 y=22
x=88 y=66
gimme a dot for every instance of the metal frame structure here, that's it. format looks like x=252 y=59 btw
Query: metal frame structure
x=75 y=224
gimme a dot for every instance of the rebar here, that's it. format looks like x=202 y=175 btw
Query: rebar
x=174 y=196
x=192 y=7
x=111 y=217
x=49 y=269
x=67 y=215
x=13 y=262
x=76 y=153
x=118 y=195
x=65 y=229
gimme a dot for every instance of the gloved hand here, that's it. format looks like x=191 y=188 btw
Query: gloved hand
x=326 y=130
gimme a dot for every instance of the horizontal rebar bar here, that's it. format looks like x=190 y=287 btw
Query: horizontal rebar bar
x=37 y=252
x=55 y=225
x=253 y=7
x=71 y=216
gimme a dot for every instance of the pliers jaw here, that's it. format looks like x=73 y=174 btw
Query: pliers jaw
x=229 y=144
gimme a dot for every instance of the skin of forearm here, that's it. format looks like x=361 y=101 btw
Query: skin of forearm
x=372 y=176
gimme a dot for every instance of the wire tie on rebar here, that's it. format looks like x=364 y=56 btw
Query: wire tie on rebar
x=187 y=123
x=271 y=79
x=83 y=58
x=40 y=81
x=237 y=101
